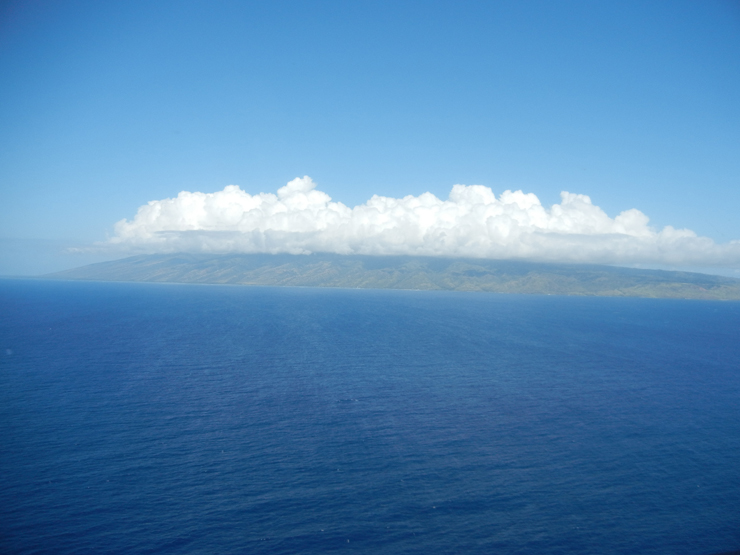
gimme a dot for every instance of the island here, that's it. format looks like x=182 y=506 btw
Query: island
x=409 y=272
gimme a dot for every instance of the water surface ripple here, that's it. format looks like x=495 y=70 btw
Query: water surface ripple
x=174 y=419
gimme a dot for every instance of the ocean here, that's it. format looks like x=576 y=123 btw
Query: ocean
x=192 y=419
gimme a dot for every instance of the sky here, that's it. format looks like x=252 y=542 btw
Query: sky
x=555 y=130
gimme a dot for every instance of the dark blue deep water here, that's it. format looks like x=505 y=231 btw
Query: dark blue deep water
x=176 y=419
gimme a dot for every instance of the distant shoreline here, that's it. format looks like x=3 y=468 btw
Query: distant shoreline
x=407 y=273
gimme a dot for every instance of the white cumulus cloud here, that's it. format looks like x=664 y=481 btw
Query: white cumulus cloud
x=472 y=222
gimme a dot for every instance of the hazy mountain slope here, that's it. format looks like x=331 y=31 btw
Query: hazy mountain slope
x=404 y=272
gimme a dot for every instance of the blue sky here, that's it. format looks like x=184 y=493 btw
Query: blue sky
x=106 y=106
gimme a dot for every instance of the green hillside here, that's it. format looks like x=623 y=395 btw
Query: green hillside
x=404 y=272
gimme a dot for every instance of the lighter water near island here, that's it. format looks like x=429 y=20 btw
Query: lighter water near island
x=185 y=419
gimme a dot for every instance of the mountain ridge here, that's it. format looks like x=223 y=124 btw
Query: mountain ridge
x=408 y=272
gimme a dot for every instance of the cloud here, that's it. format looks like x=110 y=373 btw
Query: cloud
x=472 y=222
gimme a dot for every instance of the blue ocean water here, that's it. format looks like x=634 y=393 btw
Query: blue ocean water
x=178 y=419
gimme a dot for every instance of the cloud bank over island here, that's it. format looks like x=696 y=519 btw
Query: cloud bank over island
x=472 y=223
